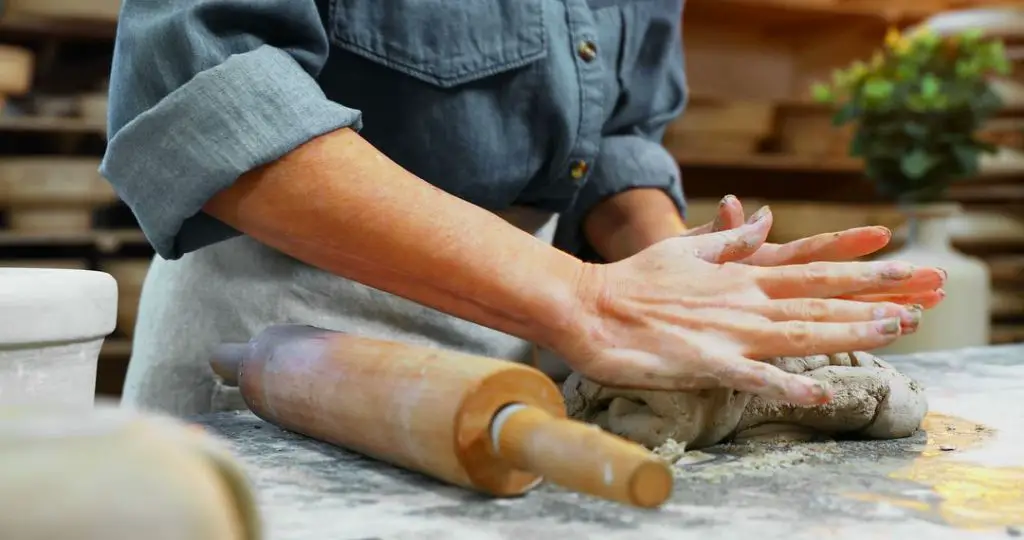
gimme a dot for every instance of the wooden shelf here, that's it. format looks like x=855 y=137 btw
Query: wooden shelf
x=116 y=347
x=795 y=163
x=105 y=241
x=22 y=26
x=51 y=125
x=778 y=162
x=805 y=12
x=1007 y=333
x=987 y=193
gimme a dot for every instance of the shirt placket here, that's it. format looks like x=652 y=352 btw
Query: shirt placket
x=589 y=72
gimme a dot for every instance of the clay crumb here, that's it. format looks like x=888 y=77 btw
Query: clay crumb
x=947 y=447
x=670 y=451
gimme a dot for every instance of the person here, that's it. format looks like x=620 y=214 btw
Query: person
x=484 y=176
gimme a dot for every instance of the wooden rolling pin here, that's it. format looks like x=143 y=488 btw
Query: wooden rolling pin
x=484 y=424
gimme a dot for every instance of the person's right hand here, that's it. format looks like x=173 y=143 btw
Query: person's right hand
x=838 y=246
x=667 y=318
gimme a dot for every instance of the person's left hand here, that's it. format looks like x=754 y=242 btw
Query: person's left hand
x=828 y=247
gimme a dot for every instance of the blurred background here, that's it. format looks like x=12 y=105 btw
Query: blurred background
x=753 y=129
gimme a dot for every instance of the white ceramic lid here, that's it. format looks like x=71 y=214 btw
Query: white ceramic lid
x=1001 y=22
x=40 y=305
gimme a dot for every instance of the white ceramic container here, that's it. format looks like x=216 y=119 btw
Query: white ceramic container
x=52 y=325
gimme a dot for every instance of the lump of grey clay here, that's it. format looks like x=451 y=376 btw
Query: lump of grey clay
x=871 y=400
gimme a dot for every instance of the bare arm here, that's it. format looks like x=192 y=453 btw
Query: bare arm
x=339 y=204
x=625 y=224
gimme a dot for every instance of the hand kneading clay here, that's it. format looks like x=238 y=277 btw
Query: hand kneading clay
x=871 y=399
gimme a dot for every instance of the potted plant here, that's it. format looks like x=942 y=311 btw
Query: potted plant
x=917 y=109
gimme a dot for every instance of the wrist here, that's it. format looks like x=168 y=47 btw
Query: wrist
x=555 y=302
x=570 y=327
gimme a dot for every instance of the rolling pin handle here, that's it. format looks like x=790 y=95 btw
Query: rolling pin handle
x=227 y=359
x=580 y=456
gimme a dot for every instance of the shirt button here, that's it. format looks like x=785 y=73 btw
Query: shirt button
x=587 y=50
x=579 y=169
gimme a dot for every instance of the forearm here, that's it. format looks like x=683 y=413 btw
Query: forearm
x=339 y=204
x=627 y=223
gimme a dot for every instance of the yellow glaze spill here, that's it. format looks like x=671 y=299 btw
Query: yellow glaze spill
x=972 y=496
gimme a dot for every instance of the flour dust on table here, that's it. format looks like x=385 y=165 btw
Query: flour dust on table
x=871 y=399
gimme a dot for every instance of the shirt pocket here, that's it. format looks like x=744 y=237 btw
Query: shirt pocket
x=442 y=42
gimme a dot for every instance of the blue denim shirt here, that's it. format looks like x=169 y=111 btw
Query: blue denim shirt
x=555 y=104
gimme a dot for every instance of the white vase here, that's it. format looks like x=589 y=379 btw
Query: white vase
x=52 y=325
x=963 y=318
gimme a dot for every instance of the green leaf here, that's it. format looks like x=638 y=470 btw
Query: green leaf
x=988 y=101
x=858 y=144
x=918 y=163
x=845 y=114
x=930 y=87
x=822 y=93
x=972 y=36
x=917 y=103
x=916 y=130
x=927 y=39
x=878 y=90
x=966 y=158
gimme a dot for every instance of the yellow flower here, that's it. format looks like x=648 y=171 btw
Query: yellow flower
x=877 y=60
x=892 y=37
x=896 y=41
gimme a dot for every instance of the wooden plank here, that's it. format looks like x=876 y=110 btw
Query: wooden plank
x=1006 y=269
x=116 y=347
x=987 y=193
x=1007 y=333
x=788 y=162
x=733 y=62
x=51 y=125
x=811 y=12
x=779 y=162
x=23 y=25
x=106 y=241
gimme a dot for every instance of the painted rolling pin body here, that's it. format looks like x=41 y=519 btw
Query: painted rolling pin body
x=484 y=424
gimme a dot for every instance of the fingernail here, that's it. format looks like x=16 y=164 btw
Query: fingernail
x=759 y=215
x=945 y=274
x=897 y=271
x=725 y=200
x=887 y=231
x=889 y=327
x=910 y=318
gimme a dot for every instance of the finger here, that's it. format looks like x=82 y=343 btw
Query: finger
x=831 y=279
x=833 y=310
x=733 y=244
x=729 y=216
x=770 y=382
x=801 y=338
x=922 y=280
x=839 y=246
x=927 y=300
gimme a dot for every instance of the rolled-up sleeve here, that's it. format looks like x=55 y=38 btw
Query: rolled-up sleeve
x=203 y=91
x=633 y=157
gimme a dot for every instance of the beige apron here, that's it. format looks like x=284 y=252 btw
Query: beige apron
x=232 y=290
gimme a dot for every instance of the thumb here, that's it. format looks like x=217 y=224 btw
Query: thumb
x=733 y=244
